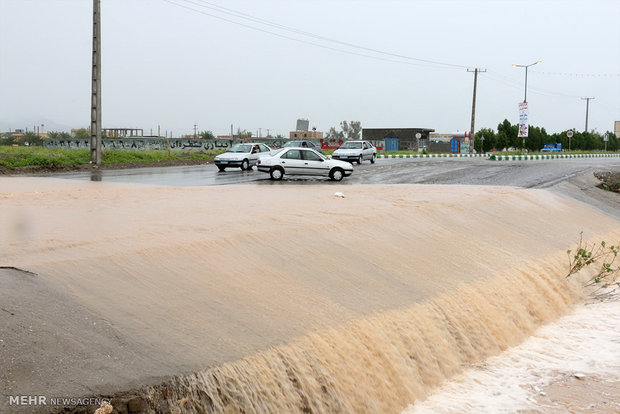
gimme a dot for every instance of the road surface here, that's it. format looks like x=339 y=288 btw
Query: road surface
x=468 y=171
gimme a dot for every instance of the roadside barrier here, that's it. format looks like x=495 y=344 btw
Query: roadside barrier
x=431 y=155
x=493 y=157
x=547 y=156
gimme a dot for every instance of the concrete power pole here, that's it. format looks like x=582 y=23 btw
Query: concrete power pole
x=95 y=101
x=587 y=110
x=473 y=107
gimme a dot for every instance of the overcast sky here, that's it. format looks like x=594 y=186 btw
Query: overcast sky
x=167 y=65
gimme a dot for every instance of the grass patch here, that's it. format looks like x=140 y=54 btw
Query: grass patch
x=15 y=157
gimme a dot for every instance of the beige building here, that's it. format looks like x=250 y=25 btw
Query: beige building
x=305 y=134
x=617 y=129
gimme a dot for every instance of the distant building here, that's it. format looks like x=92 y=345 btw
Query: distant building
x=455 y=142
x=617 y=129
x=305 y=134
x=302 y=125
x=302 y=131
x=122 y=132
x=399 y=139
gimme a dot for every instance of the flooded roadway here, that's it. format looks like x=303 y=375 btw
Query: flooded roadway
x=147 y=282
x=467 y=171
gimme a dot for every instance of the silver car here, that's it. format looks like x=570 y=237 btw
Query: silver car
x=302 y=144
x=303 y=161
x=356 y=151
x=243 y=156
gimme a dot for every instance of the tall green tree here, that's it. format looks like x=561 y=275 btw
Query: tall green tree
x=501 y=141
x=348 y=130
x=243 y=134
x=207 y=135
x=82 y=133
x=351 y=130
x=59 y=135
x=333 y=133
x=511 y=133
x=488 y=143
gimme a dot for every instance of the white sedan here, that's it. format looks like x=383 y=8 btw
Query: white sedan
x=356 y=151
x=303 y=161
x=244 y=155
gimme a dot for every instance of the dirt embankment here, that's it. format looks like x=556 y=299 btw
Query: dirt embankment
x=610 y=180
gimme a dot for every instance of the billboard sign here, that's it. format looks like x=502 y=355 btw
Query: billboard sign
x=523 y=119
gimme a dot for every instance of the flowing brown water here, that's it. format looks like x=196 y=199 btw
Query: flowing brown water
x=382 y=363
x=288 y=299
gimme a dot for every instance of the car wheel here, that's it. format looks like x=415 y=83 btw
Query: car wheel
x=245 y=165
x=373 y=159
x=276 y=173
x=336 y=174
x=359 y=159
x=219 y=167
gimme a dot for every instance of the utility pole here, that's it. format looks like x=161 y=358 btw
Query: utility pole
x=95 y=102
x=195 y=131
x=260 y=132
x=587 y=110
x=231 y=132
x=473 y=107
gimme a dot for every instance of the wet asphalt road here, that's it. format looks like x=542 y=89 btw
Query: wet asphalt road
x=467 y=171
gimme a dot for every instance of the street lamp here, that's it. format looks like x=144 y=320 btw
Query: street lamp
x=526 y=66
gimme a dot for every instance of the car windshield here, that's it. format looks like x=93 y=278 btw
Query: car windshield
x=241 y=148
x=351 y=145
x=276 y=152
x=292 y=144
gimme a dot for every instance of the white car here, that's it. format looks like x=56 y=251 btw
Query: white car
x=356 y=151
x=245 y=156
x=303 y=161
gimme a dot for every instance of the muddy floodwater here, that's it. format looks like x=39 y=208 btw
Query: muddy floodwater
x=274 y=298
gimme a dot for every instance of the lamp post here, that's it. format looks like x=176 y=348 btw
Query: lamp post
x=526 y=66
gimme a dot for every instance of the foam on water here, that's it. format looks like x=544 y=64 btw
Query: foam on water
x=586 y=342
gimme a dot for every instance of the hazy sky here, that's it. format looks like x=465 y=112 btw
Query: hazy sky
x=164 y=64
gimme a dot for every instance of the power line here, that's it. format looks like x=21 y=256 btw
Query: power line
x=424 y=62
x=578 y=74
x=516 y=85
x=305 y=33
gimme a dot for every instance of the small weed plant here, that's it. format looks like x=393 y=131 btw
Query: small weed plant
x=605 y=283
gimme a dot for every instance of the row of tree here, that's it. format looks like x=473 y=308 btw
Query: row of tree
x=507 y=137
x=485 y=140
x=241 y=134
x=348 y=130
x=28 y=138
